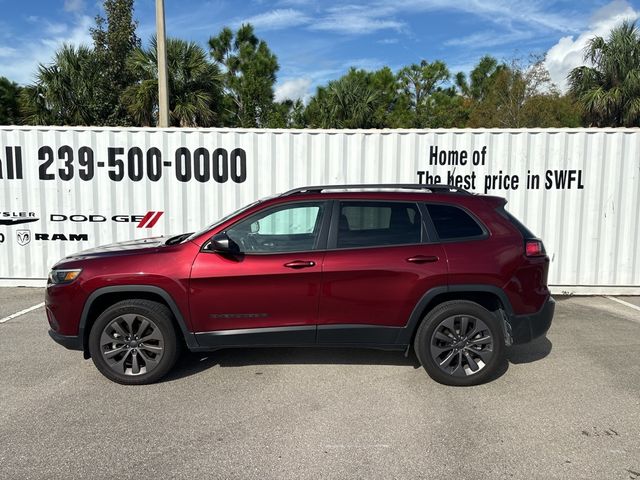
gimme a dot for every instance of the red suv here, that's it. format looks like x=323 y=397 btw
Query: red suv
x=376 y=266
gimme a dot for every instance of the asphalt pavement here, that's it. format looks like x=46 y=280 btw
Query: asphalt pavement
x=567 y=406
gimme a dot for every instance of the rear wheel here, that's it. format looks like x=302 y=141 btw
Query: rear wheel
x=134 y=342
x=460 y=343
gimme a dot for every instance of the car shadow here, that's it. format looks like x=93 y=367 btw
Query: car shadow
x=529 y=352
x=193 y=363
x=517 y=354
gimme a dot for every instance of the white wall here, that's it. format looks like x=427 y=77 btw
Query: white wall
x=590 y=226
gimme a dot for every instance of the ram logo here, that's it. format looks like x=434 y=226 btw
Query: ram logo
x=24 y=237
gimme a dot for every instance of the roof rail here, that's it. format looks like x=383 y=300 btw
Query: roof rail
x=379 y=186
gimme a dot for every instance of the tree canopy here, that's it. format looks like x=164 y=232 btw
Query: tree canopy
x=194 y=83
x=115 y=40
x=231 y=83
x=9 y=102
x=609 y=89
x=250 y=73
x=67 y=92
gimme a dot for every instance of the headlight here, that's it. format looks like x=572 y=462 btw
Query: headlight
x=63 y=276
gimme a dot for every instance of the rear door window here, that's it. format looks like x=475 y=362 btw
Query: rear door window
x=370 y=224
x=453 y=222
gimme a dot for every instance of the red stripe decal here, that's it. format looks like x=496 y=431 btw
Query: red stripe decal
x=145 y=219
x=154 y=220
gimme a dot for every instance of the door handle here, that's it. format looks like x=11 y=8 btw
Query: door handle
x=423 y=259
x=300 y=264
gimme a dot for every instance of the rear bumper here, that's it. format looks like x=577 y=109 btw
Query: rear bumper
x=524 y=328
x=71 y=342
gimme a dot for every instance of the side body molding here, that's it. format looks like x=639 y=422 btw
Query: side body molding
x=372 y=336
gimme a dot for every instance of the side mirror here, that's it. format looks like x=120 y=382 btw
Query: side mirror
x=221 y=243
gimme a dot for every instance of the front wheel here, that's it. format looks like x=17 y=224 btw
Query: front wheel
x=133 y=342
x=460 y=343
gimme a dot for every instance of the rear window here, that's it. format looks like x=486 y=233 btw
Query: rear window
x=453 y=222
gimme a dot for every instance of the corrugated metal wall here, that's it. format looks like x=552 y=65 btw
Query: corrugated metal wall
x=589 y=225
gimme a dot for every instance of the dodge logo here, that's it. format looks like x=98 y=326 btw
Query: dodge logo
x=147 y=220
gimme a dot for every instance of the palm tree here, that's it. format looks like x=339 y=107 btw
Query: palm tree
x=66 y=92
x=348 y=102
x=609 y=90
x=194 y=85
x=352 y=101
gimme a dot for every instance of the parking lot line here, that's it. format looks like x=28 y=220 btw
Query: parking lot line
x=627 y=304
x=21 y=312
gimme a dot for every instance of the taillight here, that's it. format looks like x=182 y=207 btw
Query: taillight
x=534 y=248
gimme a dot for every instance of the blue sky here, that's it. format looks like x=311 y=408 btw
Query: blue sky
x=317 y=41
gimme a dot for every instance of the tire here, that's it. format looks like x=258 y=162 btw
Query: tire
x=134 y=342
x=460 y=352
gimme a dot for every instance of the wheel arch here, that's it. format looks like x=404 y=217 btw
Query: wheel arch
x=490 y=297
x=103 y=297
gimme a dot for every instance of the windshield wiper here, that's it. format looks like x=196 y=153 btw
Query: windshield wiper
x=177 y=239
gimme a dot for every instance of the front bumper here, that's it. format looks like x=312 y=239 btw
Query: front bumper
x=524 y=328
x=71 y=342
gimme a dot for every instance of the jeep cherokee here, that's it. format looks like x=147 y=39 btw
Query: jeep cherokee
x=450 y=273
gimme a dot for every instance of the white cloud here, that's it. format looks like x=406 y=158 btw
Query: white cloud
x=297 y=3
x=345 y=19
x=568 y=52
x=522 y=17
x=74 y=6
x=364 y=63
x=357 y=19
x=537 y=14
x=293 y=89
x=27 y=52
x=488 y=39
x=277 y=19
x=55 y=28
x=7 y=52
x=465 y=67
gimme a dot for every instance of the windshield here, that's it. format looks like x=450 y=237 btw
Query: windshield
x=222 y=220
